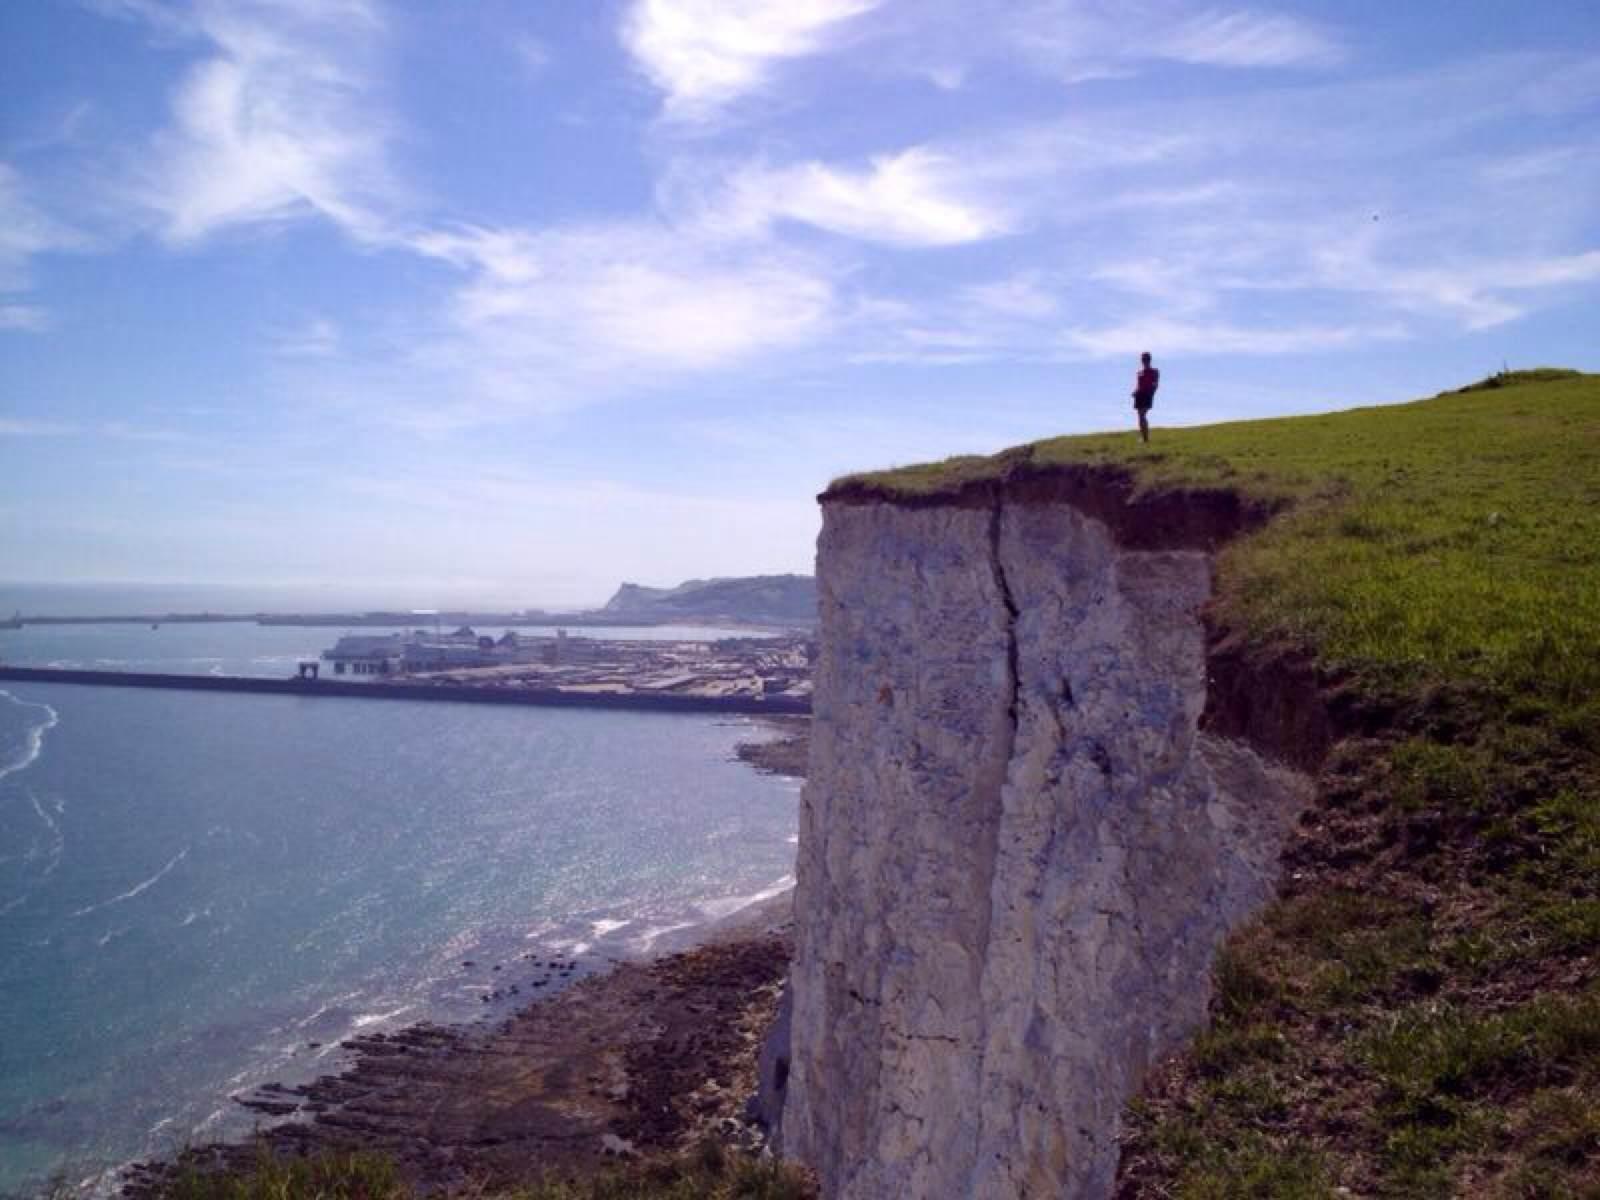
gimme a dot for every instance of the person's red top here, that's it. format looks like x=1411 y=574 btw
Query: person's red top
x=1147 y=381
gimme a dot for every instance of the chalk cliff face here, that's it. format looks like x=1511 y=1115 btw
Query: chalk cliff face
x=1018 y=852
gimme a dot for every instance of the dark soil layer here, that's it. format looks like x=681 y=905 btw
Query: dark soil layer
x=1168 y=518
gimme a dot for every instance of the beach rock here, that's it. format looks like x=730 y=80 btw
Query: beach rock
x=765 y=1107
x=622 y=1055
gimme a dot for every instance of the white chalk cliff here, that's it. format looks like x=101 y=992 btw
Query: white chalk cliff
x=1018 y=850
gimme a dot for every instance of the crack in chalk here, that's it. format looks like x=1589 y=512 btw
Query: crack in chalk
x=1010 y=602
x=1005 y=752
x=946 y=1038
x=1008 y=739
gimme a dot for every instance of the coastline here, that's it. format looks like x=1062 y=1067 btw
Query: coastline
x=622 y=1056
x=402 y=690
x=644 y=1058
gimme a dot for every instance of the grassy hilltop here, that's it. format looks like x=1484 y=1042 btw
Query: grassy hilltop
x=1419 y=1015
x=1450 y=539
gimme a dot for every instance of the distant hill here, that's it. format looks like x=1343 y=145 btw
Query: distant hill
x=762 y=599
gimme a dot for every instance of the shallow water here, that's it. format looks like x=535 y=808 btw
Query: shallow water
x=195 y=887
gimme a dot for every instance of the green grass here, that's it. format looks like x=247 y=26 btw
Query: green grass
x=708 y=1172
x=1456 y=538
x=330 y=1176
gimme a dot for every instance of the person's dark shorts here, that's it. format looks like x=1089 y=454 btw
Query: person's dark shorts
x=1143 y=403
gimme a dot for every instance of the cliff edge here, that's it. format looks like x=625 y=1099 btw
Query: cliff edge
x=1018 y=849
x=1079 y=704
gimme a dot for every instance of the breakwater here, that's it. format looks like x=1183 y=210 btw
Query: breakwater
x=460 y=693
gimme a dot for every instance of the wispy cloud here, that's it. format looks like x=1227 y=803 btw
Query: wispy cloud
x=1197 y=338
x=120 y=430
x=1079 y=41
x=705 y=53
x=1243 y=236
x=274 y=123
x=548 y=319
x=317 y=338
x=1247 y=39
x=533 y=54
x=914 y=198
x=24 y=318
x=24 y=428
x=1024 y=294
x=127 y=431
x=1478 y=292
x=26 y=231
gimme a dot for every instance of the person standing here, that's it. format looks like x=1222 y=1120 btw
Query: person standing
x=1145 y=384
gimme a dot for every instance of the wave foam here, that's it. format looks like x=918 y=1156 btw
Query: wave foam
x=725 y=906
x=136 y=888
x=34 y=742
x=362 y=1020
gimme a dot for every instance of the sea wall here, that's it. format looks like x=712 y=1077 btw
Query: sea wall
x=1019 y=850
x=539 y=697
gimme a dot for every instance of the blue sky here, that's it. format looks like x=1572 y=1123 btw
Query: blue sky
x=503 y=301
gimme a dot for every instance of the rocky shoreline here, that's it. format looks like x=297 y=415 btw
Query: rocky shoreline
x=642 y=1058
x=785 y=755
x=648 y=1057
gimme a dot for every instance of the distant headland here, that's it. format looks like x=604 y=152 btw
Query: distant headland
x=761 y=600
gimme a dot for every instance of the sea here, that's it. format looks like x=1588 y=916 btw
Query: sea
x=202 y=892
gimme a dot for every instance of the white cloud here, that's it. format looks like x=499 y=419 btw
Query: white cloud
x=1479 y=293
x=26 y=428
x=706 y=53
x=275 y=123
x=1079 y=42
x=317 y=338
x=1167 y=336
x=1247 y=39
x=1021 y=295
x=26 y=231
x=128 y=432
x=546 y=317
x=914 y=198
x=1547 y=272
x=120 y=430
x=533 y=54
x=25 y=318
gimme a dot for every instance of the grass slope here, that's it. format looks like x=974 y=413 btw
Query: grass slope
x=1453 y=538
x=706 y=1172
x=1419 y=1014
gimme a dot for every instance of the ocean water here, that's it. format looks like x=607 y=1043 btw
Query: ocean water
x=194 y=888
